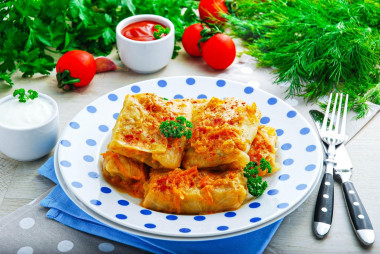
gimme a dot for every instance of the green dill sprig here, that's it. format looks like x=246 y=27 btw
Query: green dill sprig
x=177 y=129
x=317 y=47
x=23 y=97
x=255 y=184
x=160 y=31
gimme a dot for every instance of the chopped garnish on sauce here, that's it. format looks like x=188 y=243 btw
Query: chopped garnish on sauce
x=255 y=184
x=23 y=97
x=176 y=129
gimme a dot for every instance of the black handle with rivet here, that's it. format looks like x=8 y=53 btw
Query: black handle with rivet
x=358 y=215
x=324 y=207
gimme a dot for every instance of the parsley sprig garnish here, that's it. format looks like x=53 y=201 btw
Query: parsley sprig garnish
x=176 y=129
x=23 y=97
x=255 y=184
x=160 y=31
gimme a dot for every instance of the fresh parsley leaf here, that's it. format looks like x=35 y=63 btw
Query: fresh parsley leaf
x=177 y=129
x=255 y=184
x=23 y=97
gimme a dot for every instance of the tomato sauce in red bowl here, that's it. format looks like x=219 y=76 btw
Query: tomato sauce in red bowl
x=141 y=31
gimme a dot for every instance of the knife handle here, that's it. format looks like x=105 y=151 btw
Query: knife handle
x=323 y=212
x=358 y=215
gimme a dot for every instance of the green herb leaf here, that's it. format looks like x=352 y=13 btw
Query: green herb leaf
x=317 y=47
x=255 y=184
x=177 y=129
x=23 y=97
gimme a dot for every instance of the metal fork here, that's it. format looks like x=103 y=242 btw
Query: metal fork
x=332 y=137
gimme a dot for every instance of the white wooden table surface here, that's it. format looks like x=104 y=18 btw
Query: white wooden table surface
x=20 y=183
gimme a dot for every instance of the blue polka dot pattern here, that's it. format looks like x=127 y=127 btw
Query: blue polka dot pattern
x=88 y=158
x=279 y=132
x=121 y=216
x=304 y=131
x=288 y=162
x=272 y=101
x=265 y=120
x=96 y=202
x=149 y=225
x=283 y=177
x=178 y=96
x=171 y=217
x=74 y=125
x=103 y=128
x=105 y=190
x=184 y=230
x=202 y=96
x=76 y=184
x=222 y=228
x=135 y=89
x=146 y=212
x=91 y=142
x=65 y=164
x=248 y=90
x=112 y=97
x=310 y=167
x=65 y=143
x=91 y=109
x=286 y=146
x=255 y=219
x=220 y=83
x=291 y=114
x=162 y=83
x=311 y=148
x=115 y=116
x=301 y=186
x=230 y=214
x=190 y=81
x=123 y=202
x=273 y=192
x=93 y=175
x=254 y=205
x=199 y=218
x=282 y=205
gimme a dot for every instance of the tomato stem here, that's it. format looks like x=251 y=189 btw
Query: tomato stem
x=65 y=81
x=208 y=31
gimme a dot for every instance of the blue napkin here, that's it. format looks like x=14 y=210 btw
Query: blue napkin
x=63 y=210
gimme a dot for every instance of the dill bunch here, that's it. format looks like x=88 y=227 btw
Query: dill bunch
x=317 y=46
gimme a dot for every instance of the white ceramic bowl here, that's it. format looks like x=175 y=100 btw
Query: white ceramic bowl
x=145 y=56
x=30 y=143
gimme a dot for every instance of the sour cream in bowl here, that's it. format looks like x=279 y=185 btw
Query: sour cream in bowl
x=28 y=130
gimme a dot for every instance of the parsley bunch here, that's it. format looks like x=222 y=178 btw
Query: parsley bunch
x=32 y=32
x=316 y=46
x=255 y=184
x=177 y=129
x=23 y=97
x=160 y=31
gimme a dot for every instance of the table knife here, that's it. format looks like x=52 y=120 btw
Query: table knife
x=358 y=215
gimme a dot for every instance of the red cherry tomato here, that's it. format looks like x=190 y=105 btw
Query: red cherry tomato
x=190 y=39
x=219 y=51
x=212 y=10
x=81 y=69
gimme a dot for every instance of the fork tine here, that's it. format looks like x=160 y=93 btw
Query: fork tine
x=338 y=116
x=324 y=123
x=333 y=113
x=343 y=130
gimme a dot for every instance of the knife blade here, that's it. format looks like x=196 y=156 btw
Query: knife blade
x=342 y=171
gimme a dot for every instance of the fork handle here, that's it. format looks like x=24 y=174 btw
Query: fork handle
x=323 y=212
x=358 y=215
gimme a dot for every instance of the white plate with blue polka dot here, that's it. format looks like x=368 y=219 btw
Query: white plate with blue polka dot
x=86 y=136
